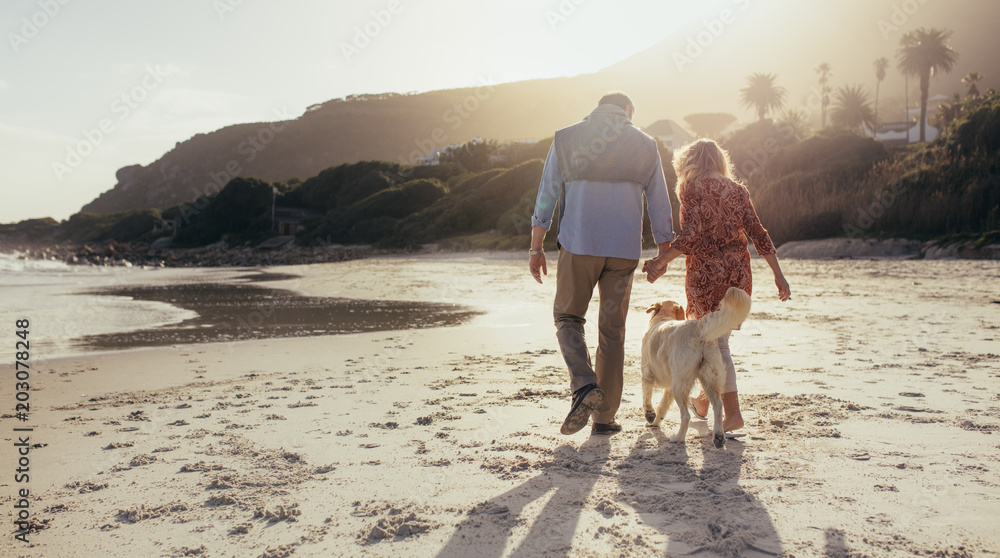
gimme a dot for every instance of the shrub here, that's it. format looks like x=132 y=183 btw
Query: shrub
x=242 y=211
x=122 y=227
x=474 y=205
x=345 y=225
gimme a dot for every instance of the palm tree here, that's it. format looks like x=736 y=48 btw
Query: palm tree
x=948 y=112
x=851 y=107
x=824 y=70
x=762 y=95
x=923 y=53
x=796 y=122
x=880 y=66
x=970 y=82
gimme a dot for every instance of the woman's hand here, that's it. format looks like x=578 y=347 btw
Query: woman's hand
x=654 y=268
x=784 y=291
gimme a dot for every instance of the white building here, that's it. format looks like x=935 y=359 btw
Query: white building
x=897 y=133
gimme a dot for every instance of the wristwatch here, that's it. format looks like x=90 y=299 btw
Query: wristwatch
x=535 y=252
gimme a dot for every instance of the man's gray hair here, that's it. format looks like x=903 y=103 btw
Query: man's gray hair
x=617 y=98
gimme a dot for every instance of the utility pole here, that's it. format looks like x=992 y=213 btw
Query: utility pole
x=906 y=107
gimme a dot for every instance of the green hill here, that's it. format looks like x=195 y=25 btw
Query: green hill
x=838 y=183
x=834 y=183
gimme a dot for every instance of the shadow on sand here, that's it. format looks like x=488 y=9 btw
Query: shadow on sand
x=700 y=510
x=488 y=530
x=682 y=505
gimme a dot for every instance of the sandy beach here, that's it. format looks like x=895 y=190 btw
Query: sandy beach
x=871 y=399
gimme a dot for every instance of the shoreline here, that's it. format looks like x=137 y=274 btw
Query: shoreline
x=127 y=255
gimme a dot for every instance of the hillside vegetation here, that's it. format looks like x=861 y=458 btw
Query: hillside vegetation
x=838 y=183
x=834 y=183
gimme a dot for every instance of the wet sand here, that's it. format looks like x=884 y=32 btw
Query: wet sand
x=239 y=310
x=871 y=400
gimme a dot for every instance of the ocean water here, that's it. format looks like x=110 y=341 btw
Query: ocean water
x=54 y=298
x=75 y=309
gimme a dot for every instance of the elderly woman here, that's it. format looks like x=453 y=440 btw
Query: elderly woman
x=715 y=213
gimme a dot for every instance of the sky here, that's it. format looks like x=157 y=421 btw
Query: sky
x=89 y=87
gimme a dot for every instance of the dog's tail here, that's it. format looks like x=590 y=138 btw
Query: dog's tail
x=735 y=308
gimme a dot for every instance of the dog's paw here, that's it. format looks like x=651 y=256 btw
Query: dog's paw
x=676 y=438
x=651 y=417
x=720 y=441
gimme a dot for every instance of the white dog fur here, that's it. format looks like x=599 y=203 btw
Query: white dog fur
x=676 y=352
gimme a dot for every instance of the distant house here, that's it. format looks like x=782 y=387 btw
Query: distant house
x=165 y=226
x=431 y=159
x=670 y=133
x=902 y=133
x=287 y=219
x=895 y=134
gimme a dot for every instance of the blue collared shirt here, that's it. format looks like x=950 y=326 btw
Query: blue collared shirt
x=603 y=219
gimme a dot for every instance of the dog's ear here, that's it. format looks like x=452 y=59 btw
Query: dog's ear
x=678 y=312
x=654 y=307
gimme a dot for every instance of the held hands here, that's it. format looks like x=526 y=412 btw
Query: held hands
x=536 y=264
x=654 y=268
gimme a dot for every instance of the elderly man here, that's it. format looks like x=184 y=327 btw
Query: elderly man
x=599 y=170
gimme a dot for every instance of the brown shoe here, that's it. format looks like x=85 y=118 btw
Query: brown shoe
x=609 y=428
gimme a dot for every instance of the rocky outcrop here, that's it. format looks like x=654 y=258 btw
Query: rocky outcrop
x=961 y=251
x=217 y=255
x=850 y=248
x=893 y=248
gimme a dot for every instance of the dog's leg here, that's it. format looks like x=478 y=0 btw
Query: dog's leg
x=717 y=434
x=681 y=399
x=663 y=407
x=710 y=383
x=647 y=401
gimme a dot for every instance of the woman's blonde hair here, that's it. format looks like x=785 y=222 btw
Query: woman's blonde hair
x=699 y=159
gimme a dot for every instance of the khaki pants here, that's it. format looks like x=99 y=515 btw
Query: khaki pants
x=576 y=277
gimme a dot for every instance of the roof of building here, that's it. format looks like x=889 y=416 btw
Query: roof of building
x=667 y=127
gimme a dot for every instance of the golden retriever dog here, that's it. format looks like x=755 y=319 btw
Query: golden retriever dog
x=676 y=352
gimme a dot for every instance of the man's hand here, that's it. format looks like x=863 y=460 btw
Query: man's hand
x=654 y=268
x=536 y=264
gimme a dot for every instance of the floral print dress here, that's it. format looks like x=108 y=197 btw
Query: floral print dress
x=715 y=214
